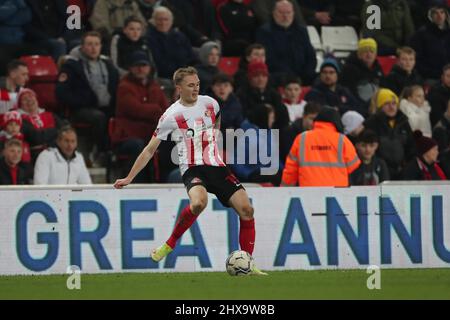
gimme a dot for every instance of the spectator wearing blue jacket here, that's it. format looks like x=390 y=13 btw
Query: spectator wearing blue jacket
x=251 y=141
x=171 y=49
x=47 y=28
x=14 y=15
x=288 y=47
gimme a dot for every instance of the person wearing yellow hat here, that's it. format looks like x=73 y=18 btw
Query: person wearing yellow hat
x=392 y=127
x=367 y=51
x=362 y=73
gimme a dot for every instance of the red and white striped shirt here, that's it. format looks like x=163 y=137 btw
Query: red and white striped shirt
x=192 y=128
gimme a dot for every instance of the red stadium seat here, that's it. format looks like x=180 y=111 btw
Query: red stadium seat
x=229 y=65
x=43 y=74
x=305 y=90
x=386 y=63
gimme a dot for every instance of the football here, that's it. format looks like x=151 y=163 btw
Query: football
x=239 y=263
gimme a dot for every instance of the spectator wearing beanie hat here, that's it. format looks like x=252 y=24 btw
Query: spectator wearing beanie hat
x=392 y=127
x=257 y=93
x=353 y=124
x=328 y=92
x=424 y=166
x=362 y=73
x=12 y=124
x=432 y=43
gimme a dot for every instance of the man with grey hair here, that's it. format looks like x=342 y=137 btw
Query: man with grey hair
x=63 y=164
x=171 y=49
x=288 y=47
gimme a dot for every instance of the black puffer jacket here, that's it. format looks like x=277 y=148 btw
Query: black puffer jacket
x=396 y=143
x=362 y=81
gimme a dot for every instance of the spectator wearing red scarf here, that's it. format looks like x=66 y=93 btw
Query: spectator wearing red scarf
x=39 y=126
x=424 y=166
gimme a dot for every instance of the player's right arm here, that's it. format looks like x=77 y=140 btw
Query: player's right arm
x=141 y=161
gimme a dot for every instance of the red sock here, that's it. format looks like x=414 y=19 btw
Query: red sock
x=247 y=235
x=185 y=220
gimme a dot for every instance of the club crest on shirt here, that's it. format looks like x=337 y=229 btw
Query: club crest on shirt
x=189 y=133
x=208 y=113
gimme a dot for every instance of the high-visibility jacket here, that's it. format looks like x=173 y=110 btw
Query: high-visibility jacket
x=320 y=157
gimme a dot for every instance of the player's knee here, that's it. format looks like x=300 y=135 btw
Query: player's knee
x=198 y=205
x=247 y=211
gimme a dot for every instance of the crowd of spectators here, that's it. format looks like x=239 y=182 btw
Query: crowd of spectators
x=114 y=82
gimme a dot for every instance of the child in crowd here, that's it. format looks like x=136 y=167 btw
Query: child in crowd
x=417 y=109
x=372 y=170
x=12 y=124
x=292 y=99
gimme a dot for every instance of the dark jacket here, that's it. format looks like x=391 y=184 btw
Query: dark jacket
x=432 y=47
x=438 y=97
x=206 y=74
x=14 y=15
x=253 y=101
x=122 y=48
x=231 y=114
x=341 y=98
x=73 y=89
x=396 y=144
x=412 y=171
x=441 y=133
x=359 y=79
x=288 y=51
x=46 y=24
x=237 y=21
x=397 y=25
x=370 y=174
x=5 y=174
x=398 y=79
x=170 y=50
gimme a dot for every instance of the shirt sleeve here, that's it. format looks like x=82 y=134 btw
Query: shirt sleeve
x=165 y=127
x=42 y=168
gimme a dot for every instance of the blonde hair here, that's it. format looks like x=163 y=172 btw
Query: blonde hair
x=181 y=73
x=373 y=103
x=405 y=50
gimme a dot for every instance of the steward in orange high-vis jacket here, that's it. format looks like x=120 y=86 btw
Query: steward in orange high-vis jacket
x=322 y=156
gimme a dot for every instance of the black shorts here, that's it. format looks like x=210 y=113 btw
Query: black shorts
x=217 y=180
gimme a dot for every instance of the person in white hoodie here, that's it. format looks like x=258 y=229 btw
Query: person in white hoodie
x=62 y=165
x=417 y=109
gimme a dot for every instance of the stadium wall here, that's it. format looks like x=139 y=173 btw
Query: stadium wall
x=99 y=229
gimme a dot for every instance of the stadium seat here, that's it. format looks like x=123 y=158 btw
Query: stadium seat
x=316 y=42
x=386 y=63
x=339 y=41
x=229 y=65
x=43 y=75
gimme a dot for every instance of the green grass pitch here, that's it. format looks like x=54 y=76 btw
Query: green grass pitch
x=323 y=284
